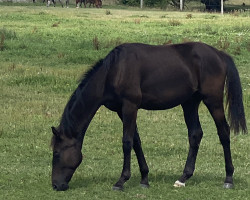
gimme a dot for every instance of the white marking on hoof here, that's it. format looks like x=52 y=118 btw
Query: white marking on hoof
x=144 y=185
x=228 y=186
x=179 y=184
x=116 y=188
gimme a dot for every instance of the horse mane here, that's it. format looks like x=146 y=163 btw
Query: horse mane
x=89 y=73
x=67 y=123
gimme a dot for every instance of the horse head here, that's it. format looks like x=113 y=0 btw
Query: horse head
x=67 y=157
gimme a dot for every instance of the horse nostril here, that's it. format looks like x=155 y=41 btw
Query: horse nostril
x=64 y=187
x=60 y=187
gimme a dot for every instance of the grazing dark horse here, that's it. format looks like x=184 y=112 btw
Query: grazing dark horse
x=134 y=76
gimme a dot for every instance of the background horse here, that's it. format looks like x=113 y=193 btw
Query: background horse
x=54 y=3
x=96 y=3
x=140 y=76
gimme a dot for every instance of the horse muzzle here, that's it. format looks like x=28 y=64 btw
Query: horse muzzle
x=60 y=187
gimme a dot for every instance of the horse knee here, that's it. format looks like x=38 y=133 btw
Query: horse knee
x=127 y=146
x=195 y=137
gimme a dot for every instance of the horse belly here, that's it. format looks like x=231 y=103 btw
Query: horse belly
x=160 y=94
x=164 y=100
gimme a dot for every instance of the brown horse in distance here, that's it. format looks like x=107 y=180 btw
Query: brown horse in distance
x=96 y=3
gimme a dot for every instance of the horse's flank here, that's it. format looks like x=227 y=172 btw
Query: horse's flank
x=117 y=72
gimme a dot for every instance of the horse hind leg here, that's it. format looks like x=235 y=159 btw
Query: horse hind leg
x=141 y=160
x=195 y=134
x=61 y=3
x=54 y=3
x=216 y=109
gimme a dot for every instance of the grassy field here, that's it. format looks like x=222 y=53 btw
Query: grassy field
x=44 y=51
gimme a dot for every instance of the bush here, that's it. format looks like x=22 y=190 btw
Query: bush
x=131 y=2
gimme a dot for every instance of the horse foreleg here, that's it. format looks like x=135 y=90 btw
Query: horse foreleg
x=54 y=3
x=61 y=3
x=129 y=114
x=140 y=156
x=194 y=135
x=84 y=2
x=78 y=3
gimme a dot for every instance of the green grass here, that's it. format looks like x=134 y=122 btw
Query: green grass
x=43 y=53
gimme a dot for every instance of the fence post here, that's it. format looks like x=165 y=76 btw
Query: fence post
x=181 y=5
x=221 y=8
x=141 y=4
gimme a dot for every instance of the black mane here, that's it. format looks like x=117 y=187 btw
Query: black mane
x=87 y=75
x=68 y=124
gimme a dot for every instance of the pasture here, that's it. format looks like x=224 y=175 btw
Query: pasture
x=44 y=51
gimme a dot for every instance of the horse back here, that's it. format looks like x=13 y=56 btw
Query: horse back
x=160 y=77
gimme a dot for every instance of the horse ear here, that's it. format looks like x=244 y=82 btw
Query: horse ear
x=54 y=131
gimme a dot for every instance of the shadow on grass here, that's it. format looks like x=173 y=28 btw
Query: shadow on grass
x=198 y=180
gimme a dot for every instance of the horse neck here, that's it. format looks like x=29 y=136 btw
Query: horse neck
x=87 y=101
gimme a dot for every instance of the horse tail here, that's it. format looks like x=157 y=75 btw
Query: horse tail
x=234 y=102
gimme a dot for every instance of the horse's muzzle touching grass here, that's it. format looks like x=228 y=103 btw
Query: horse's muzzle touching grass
x=60 y=187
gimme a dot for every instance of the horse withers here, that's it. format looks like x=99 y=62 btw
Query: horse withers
x=140 y=76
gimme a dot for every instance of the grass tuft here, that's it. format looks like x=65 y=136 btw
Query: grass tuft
x=137 y=21
x=174 y=22
x=8 y=34
x=223 y=43
x=108 y=12
x=189 y=16
x=2 y=42
x=56 y=24
x=96 y=43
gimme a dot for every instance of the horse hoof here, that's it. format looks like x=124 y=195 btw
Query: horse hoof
x=117 y=188
x=144 y=185
x=228 y=186
x=179 y=184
